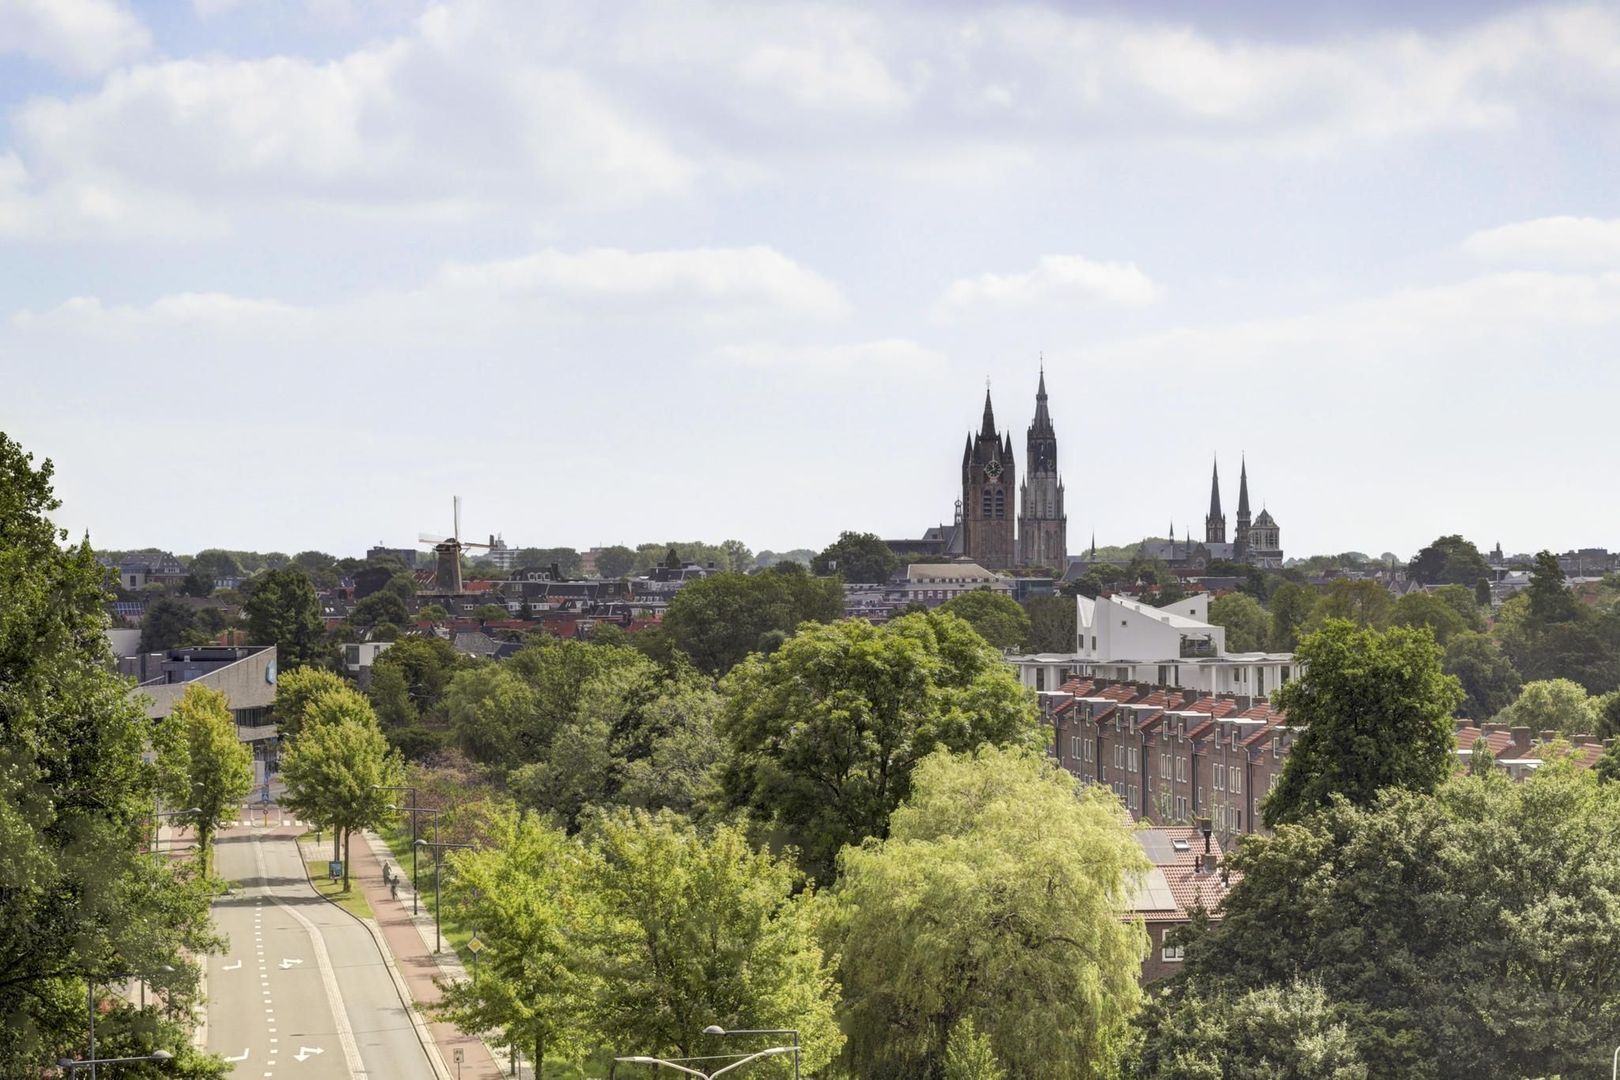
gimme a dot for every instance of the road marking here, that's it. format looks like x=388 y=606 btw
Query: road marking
x=231 y=967
x=244 y=1057
x=286 y=963
x=307 y=1052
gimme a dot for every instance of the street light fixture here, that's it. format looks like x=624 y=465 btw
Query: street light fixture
x=659 y=1063
x=90 y=984
x=73 y=1067
x=716 y=1029
x=414 y=809
x=437 y=848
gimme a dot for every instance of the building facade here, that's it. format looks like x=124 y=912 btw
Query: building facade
x=989 y=480
x=1042 y=524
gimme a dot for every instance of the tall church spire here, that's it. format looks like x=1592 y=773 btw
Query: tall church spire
x=1043 y=419
x=1243 y=490
x=987 y=430
x=1215 y=522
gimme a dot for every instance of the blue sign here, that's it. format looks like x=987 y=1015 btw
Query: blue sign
x=334 y=867
x=264 y=796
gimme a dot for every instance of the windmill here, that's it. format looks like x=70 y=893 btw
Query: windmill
x=447 y=552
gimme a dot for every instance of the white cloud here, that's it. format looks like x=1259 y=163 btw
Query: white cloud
x=890 y=356
x=1055 y=280
x=1573 y=242
x=81 y=37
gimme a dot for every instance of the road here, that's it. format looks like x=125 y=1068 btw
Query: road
x=301 y=991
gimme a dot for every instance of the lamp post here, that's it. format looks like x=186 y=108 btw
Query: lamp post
x=437 y=848
x=73 y=1067
x=90 y=984
x=659 y=1063
x=716 y=1029
x=414 y=809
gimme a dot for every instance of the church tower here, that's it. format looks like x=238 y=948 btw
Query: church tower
x=988 y=482
x=1240 y=542
x=1043 y=527
x=1215 y=522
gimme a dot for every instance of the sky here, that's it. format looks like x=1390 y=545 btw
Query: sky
x=289 y=274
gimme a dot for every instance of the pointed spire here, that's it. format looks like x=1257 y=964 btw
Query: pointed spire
x=1215 y=493
x=1093 y=543
x=1043 y=420
x=987 y=430
x=1243 y=489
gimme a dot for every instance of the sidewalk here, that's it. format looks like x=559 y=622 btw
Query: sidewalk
x=413 y=956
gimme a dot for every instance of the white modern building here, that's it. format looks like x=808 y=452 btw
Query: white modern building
x=931 y=584
x=1176 y=646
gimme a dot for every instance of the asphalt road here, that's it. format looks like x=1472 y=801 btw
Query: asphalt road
x=301 y=992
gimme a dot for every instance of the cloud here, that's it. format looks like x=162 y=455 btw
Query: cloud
x=890 y=356
x=79 y=37
x=1055 y=280
x=1569 y=242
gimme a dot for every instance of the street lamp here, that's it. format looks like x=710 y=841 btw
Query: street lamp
x=414 y=809
x=657 y=1063
x=716 y=1029
x=437 y=847
x=90 y=984
x=74 y=1066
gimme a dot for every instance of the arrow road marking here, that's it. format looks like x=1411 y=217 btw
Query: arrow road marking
x=307 y=1052
x=286 y=963
x=231 y=967
x=242 y=1058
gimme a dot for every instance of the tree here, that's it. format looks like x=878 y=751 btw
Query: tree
x=997 y=618
x=998 y=897
x=426 y=666
x=718 y=620
x=822 y=737
x=321 y=567
x=1452 y=932
x=210 y=770
x=1608 y=714
x=691 y=927
x=337 y=768
x=615 y=561
x=739 y=559
x=1291 y=607
x=857 y=556
x=1433 y=611
x=1488 y=678
x=1248 y=627
x=1098 y=578
x=1376 y=712
x=167 y=624
x=1552 y=705
x=213 y=564
x=283 y=611
x=1550 y=599
x=566 y=559
x=522 y=890
x=1365 y=603
x=1450 y=560
x=382 y=606
x=1052 y=624
x=76 y=800
x=969 y=1056
x=296 y=689
x=197 y=585
x=1286 y=1032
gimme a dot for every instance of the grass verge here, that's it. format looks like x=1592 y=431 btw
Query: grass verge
x=353 y=901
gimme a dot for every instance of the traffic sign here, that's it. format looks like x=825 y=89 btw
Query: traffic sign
x=473 y=945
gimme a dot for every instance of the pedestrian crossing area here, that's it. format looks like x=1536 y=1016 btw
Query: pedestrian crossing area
x=259 y=821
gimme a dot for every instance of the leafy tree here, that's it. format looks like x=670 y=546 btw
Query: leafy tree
x=1608 y=715
x=1450 y=560
x=522 y=890
x=375 y=574
x=380 y=607
x=566 y=559
x=213 y=564
x=822 y=737
x=691 y=927
x=1291 y=607
x=1488 y=678
x=1453 y=933
x=490 y=613
x=167 y=624
x=1553 y=705
x=1286 y=1032
x=1550 y=634
x=1248 y=627
x=282 y=610
x=719 y=620
x=969 y=1056
x=337 y=767
x=426 y=666
x=1052 y=624
x=1097 y=579
x=321 y=567
x=1433 y=611
x=997 y=897
x=1550 y=599
x=739 y=559
x=76 y=800
x=998 y=619
x=857 y=556
x=197 y=585
x=296 y=689
x=615 y=561
x=210 y=770
x=1375 y=709
x=433 y=613
x=1365 y=603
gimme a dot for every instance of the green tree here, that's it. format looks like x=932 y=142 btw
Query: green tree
x=210 y=770
x=197 y=585
x=1248 y=627
x=337 y=768
x=523 y=892
x=1286 y=1032
x=1291 y=607
x=857 y=556
x=718 y=620
x=213 y=564
x=1433 y=611
x=76 y=800
x=566 y=558
x=321 y=567
x=998 y=896
x=282 y=610
x=1552 y=705
x=1097 y=579
x=1450 y=560
x=1375 y=709
x=383 y=606
x=1488 y=678
x=1052 y=624
x=998 y=619
x=969 y=1056
x=296 y=689
x=691 y=927
x=615 y=561
x=425 y=665
x=1363 y=602
x=1550 y=599
x=167 y=624
x=822 y=736
x=1608 y=714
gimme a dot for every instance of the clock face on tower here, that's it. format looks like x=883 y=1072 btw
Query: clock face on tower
x=993 y=470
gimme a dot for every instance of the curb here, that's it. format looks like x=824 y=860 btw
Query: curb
x=418 y=1023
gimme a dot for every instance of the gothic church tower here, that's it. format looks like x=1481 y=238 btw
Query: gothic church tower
x=1215 y=521
x=988 y=481
x=1042 y=524
x=1240 y=542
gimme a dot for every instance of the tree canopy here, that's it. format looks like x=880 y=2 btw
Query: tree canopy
x=718 y=620
x=282 y=610
x=208 y=769
x=999 y=619
x=1248 y=627
x=857 y=556
x=1559 y=705
x=1052 y=624
x=1450 y=560
x=1488 y=678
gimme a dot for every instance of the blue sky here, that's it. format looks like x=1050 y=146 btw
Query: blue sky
x=283 y=275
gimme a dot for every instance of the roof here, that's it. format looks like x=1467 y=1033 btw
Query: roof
x=1175 y=886
x=952 y=571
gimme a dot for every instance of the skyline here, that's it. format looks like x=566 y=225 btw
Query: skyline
x=280 y=277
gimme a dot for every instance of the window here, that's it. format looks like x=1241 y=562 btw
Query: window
x=1199 y=796
x=1173 y=954
x=1216 y=779
x=987 y=502
x=1001 y=503
x=1181 y=769
x=1237 y=780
